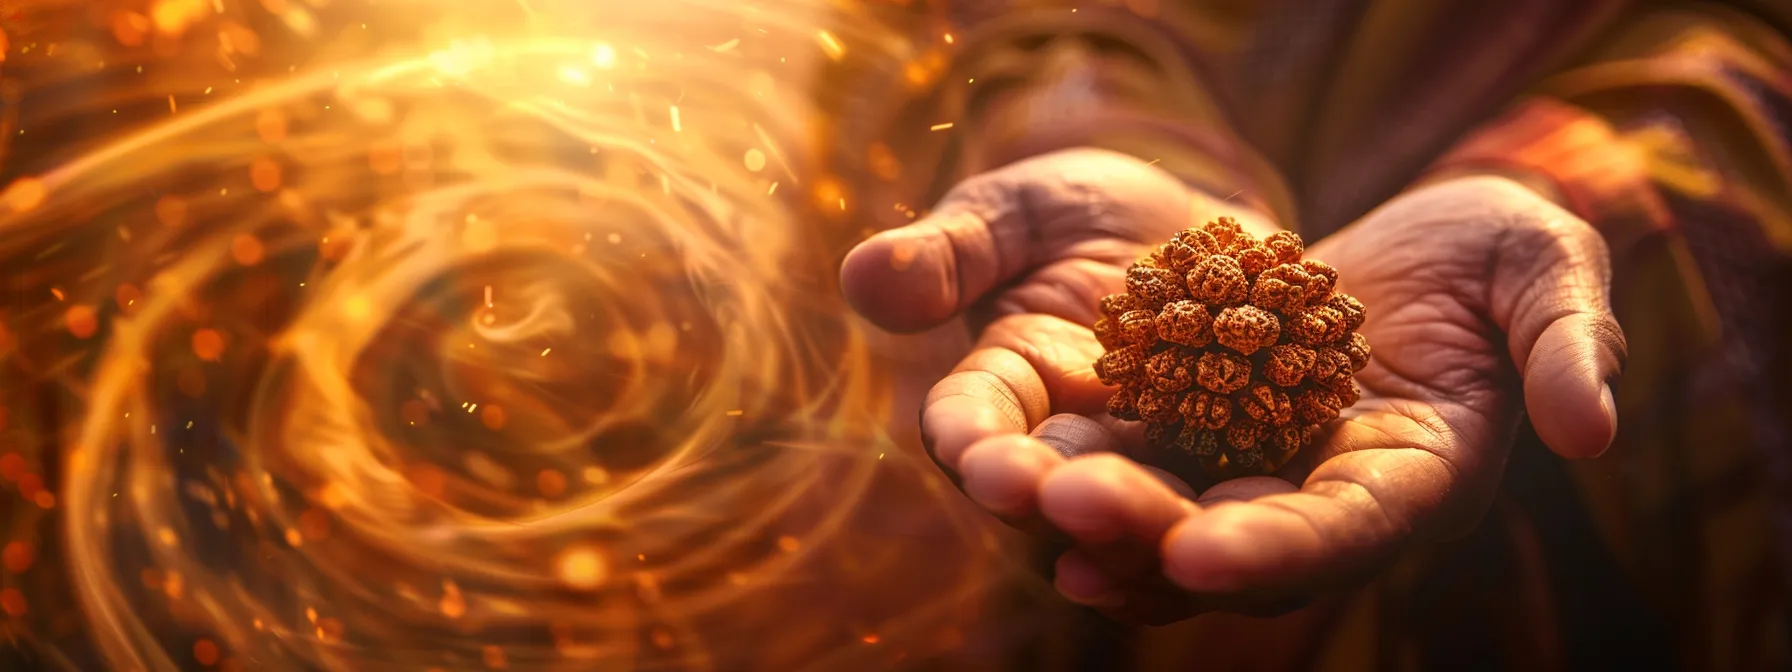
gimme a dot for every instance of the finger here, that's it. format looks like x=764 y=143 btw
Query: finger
x=1023 y=368
x=1131 y=433
x=1356 y=513
x=994 y=227
x=1075 y=435
x=1002 y=474
x=967 y=407
x=1062 y=354
x=1171 y=481
x=1568 y=386
x=1550 y=294
x=1149 y=597
x=1115 y=511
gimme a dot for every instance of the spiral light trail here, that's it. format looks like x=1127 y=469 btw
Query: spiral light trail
x=441 y=335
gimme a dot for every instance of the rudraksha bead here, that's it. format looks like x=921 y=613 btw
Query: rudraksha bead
x=1231 y=350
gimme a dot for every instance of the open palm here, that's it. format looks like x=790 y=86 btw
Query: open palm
x=1483 y=299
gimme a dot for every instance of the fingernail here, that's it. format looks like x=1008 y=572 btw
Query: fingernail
x=948 y=430
x=1610 y=404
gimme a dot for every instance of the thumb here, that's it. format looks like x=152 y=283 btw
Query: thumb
x=1551 y=295
x=995 y=227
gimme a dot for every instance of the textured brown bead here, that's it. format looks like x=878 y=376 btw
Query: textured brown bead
x=1284 y=247
x=1124 y=404
x=1169 y=371
x=1138 y=327
x=1348 y=393
x=1200 y=240
x=1266 y=404
x=1282 y=288
x=1330 y=365
x=1197 y=442
x=1107 y=333
x=1229 y=234
x=1358 y=351
x=1222 y=372
x=1285 y=440
x=1201 y=408
x=1115 y=305
x=1218 y=281
x=1185 y=323
x=1352 y=310
x=1247 y=459
x=1322 y=325
x=1245 y=434
x=1162 y=434
x=1158 y=406
x=1119 y=366
x=1246 y=329
x=1155 y=287
x=1231 y=350
x=1316 y=405
x=1255 y=260
x=1179 y=256
x=1286 y=365
x=1325 y=278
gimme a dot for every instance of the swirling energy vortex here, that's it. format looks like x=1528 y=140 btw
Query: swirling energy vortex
x=497 y=350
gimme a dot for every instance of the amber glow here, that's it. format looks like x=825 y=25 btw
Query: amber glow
x=461 y=334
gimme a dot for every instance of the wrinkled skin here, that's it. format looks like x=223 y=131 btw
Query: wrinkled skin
x=1484 y=300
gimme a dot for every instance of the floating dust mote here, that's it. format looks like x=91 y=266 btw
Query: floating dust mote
x=427 y=335
x=1230 y=349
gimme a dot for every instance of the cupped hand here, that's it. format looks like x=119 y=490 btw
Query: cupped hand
x=1484 y=301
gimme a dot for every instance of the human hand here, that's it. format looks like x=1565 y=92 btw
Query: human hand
x=1479 y=294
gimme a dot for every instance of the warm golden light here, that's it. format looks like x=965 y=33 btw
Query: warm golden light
x=400 y=334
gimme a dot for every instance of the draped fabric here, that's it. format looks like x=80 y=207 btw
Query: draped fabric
x=1667 y=125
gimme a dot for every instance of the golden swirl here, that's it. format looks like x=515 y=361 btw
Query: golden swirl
x=463 y=335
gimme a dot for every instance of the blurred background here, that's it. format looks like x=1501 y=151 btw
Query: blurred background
x=504 y=334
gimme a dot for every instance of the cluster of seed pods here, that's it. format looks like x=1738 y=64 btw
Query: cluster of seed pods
x=1231 y=349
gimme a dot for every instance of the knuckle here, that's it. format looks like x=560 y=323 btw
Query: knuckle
x=981 y=385
x=1552 y=264
x=1607 y=333
x=1557 y=234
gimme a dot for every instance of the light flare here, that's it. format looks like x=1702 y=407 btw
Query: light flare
x=495 y=344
